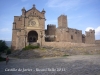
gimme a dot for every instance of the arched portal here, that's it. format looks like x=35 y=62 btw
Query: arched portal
x=32 y=36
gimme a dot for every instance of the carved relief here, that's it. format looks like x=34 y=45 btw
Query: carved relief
x=33 y=22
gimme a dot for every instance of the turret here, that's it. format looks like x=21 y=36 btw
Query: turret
x=23 y=11
x=33 y=6
x=43 y=11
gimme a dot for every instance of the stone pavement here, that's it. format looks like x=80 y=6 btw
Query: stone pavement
x=71 y=65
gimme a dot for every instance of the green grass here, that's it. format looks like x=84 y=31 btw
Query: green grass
x=65 y=55
x=42 y=48
x=29 y=47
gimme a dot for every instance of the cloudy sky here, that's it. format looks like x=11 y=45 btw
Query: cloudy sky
x=81 y=14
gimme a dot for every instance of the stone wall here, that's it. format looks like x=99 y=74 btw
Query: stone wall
x=66 y=44
x=97 y=42
x=75 y=35
x=68 y=35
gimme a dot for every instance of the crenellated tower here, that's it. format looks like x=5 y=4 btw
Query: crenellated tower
x=62 y=21
x=50 y=33
x=90 y=36
x=51 y=29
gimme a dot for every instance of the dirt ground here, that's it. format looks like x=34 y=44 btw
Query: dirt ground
x=68 y=65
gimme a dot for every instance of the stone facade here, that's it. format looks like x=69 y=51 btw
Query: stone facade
x=29 y=28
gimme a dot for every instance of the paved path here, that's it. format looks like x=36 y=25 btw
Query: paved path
x=71 y=65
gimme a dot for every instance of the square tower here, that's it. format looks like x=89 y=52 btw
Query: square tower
x=90 y=36
x=62 y=21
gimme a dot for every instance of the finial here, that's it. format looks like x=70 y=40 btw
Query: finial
x=43 y=11
x=23 y=8
x=33 y=5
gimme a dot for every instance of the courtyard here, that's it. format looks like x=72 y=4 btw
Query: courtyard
x=68 y=65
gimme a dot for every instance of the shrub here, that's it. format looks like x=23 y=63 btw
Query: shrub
x=8 y=51
x=30 y=47
x=3 y=46
x=2 y=59
x=65 y=55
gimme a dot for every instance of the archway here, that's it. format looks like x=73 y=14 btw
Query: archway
x=32 y=36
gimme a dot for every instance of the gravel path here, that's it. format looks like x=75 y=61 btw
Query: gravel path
x=71 y=65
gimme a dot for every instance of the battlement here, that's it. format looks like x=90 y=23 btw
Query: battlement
x=75 y=30
x=90 y=32
x=51 y=26
x=62 y=16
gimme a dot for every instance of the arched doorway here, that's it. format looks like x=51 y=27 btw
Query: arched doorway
x=32 y=36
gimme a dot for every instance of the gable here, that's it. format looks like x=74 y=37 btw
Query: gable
x=33 y=12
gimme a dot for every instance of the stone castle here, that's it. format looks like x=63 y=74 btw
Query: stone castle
x=29 y=28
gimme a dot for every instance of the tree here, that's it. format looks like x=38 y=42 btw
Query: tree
x=3 y=46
